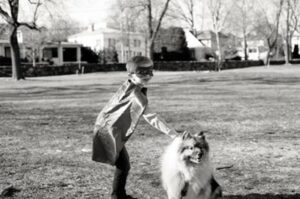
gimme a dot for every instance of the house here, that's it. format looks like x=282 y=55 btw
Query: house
x=5 y=50
x=59 y=53
x=177 y=44
x=197 y=49
x=208 y=38
x=126 y=44
x=295 y=43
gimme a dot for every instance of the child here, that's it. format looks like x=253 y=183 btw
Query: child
x=118 y=119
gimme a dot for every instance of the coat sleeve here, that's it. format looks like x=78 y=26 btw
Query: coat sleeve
x=159 y=123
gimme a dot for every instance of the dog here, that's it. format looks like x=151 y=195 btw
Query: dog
x=186 y=170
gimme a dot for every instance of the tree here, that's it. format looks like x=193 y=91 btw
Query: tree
x=185 y=11
x=153 y=31
x=61 y=27
x=10 y=15
x=170 y=45
x=241 y=21
x=33 y=40
x=268 y=27
x=218 y=13
x=125 y=16
x=144 y=9
x=292 y=11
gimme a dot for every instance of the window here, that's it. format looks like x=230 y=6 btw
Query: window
x=49 y=53
x=252 y=50
x=112 y=42
x=70 y=54
x=127 y=42
x=7 y=52
x=137 y=43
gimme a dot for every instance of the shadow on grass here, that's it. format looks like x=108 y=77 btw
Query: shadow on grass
x=263 y=196
x=257 y=80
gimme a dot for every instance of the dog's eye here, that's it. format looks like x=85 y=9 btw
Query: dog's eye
x=187 y=148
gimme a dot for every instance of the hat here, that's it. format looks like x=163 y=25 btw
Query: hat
x=138 y=62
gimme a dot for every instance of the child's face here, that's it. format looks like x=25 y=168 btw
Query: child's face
x=142 y=76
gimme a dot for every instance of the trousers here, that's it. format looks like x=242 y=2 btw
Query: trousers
x=120 y=175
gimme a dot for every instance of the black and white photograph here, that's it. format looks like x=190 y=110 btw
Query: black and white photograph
x=149 y=99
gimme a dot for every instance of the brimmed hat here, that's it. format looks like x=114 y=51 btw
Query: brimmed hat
x=138 y=62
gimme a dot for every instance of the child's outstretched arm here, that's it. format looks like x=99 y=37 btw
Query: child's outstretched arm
x=159 y=123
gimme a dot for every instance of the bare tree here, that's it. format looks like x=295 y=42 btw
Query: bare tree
x=292 y=12
x=153 y=29
x=184 y=10
x=268 y=26
x=218 y=13
x=140 y=15
x=242 y=21
x=10 y=13
x=125 y=16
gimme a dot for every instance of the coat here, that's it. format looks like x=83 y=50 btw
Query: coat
x=117 y=121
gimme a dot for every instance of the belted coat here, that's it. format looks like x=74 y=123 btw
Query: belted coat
x=117 y=121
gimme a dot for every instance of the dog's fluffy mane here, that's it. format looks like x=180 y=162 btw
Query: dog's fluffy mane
x=177 y=171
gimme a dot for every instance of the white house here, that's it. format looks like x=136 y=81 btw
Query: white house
x=5 y=50
x=126 y=44
x=60 y=53
x=295 y=41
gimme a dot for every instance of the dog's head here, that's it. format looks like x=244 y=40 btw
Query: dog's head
x=194 y=147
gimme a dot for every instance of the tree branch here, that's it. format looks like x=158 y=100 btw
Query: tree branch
x=38 y=4
x=160 y=19
x=5 y=16
x=31 y=26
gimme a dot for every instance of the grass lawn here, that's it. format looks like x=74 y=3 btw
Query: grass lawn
x=252 y=115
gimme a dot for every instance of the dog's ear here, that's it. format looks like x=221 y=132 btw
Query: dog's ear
x=201 y=135
x=186 y=135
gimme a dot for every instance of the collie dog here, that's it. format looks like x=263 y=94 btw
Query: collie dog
x=186 y=170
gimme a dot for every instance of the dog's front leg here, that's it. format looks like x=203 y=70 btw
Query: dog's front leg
x=174 y=188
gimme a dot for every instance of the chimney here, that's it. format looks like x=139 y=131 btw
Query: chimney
x=92 y=27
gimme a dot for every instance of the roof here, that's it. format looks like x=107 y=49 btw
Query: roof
x=209 y=34
x=66 y=44
x=192 y=41
x=98 y=32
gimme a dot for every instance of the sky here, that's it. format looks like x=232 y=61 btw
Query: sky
x=89 y=11
x=83 y=11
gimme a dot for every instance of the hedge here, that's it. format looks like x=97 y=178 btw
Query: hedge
x=47 y=70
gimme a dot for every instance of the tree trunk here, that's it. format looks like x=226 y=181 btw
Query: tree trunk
x=33 y=58
x=287 y=39
x=219 y=64
x=152 y=33
x=245 y=46
x=151 y=50
x=268 y=58
x=244 y=11
x=17 y=73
